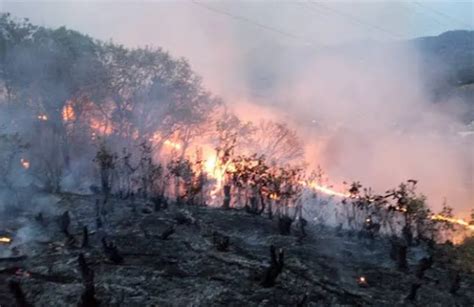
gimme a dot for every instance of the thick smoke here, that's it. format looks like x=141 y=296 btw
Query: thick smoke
x=363 y=109
x=366 y=112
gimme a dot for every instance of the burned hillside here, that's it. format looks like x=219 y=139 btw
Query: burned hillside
x=141 y=254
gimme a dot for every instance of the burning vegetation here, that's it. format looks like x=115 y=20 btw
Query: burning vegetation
x=135 y=132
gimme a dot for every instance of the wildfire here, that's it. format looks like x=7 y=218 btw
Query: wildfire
x=458 y=221
x=172 y=144
x=100 y=127
x=68 y=113
x=25 y=163
x=436 y=217
x=324 y=189
x=216 y=171
x=274 y=196
x=5 y=240
x=43 y=117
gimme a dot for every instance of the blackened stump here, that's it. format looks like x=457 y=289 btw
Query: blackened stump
x=284 y=225
x=17 y=292
x=276 y=267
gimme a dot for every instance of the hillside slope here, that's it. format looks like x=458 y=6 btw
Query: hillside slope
x=192 y=267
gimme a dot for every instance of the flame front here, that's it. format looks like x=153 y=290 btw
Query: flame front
x=325 y=189
x=452 y=220
x=436 y=217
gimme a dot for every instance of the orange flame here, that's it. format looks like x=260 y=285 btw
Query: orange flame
x=453 y=220
x=324 y=189
x=172 y=144
x=274 y=196
x=100 y=127
x=68 y=113
x=436 y=217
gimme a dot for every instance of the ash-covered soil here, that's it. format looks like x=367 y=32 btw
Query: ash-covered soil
x=192 y=266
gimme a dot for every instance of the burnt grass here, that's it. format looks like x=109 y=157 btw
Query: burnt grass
x=200 y=256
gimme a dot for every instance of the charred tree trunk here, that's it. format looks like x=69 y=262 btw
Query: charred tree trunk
x=407 y=234
x=220 y=241
x=88 y=295
x=398 y=253
x=413 y=291
x=227 y=197
x=176 y=190
x=262 y=203
x=455 y=283
x=423 y=265
x=17 y=292
x=85 y=237
x=270 y=212
x=284 y=225
x=111 y=251
x=64 y=222
x=276 y=267
x=167 y=233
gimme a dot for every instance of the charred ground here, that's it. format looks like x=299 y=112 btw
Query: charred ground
x=181 y=255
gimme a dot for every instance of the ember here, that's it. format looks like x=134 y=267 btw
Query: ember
x=5 y=240
x=43 y=117
x=362 y=281
x=25 y=163
x=172 y=144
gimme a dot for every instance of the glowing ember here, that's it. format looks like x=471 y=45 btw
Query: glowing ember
x=362 y=281
x=68 y=113
x=172 y=144
x=274 y=196
x=100 y=127
x=5 y=240
x=458 y=221
x=43 y=117
x=25 y=163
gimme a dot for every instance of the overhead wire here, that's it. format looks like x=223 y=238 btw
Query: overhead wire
x=251 y=21
x=442 y=14
x=356 y=20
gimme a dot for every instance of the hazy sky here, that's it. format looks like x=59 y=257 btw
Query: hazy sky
x=173 y=24
x=212 y=34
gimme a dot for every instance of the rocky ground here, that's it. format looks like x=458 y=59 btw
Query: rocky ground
x=178 y=256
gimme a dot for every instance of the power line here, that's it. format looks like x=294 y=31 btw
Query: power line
x=424 y=14
x=250 y=21
x=458 y=21
x=357 y=20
